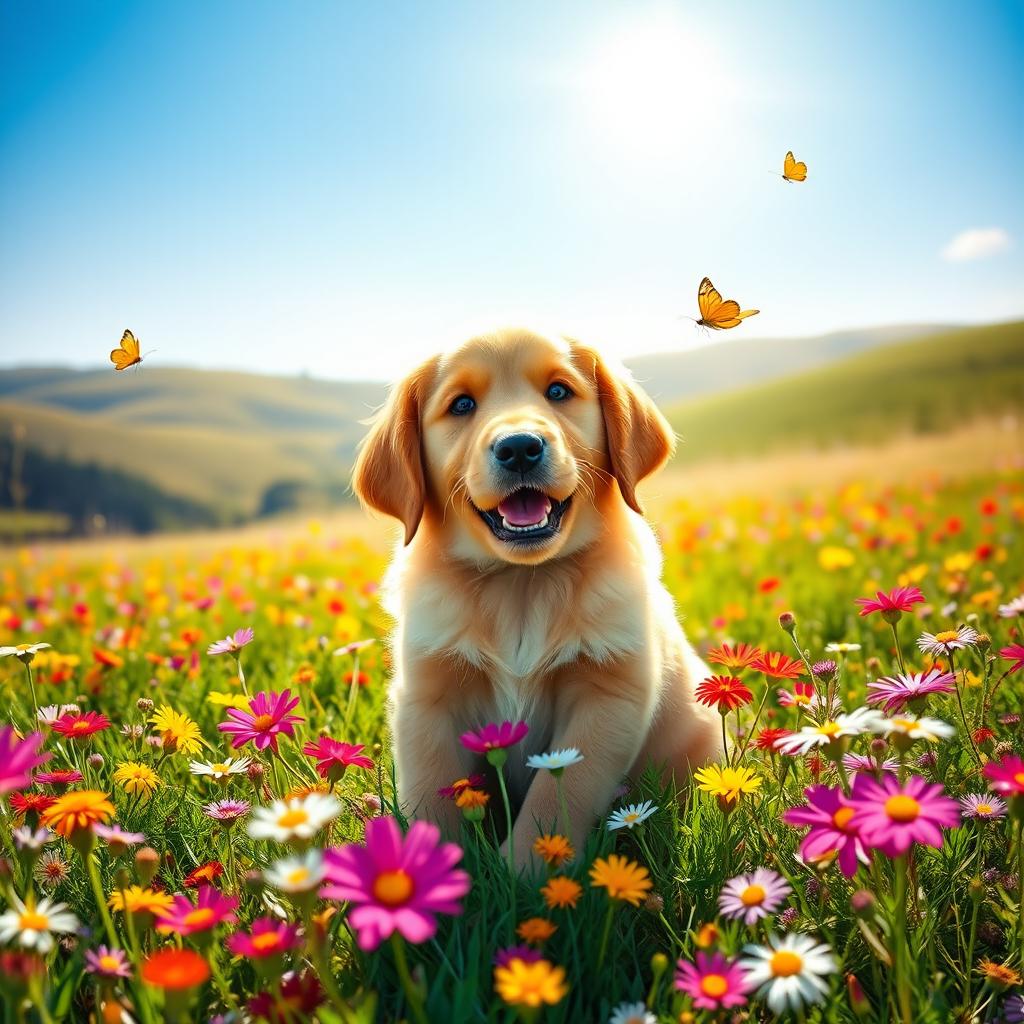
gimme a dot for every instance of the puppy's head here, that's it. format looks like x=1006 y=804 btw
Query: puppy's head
x=510 y=447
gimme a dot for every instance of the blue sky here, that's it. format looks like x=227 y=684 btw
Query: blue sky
x=340 y=188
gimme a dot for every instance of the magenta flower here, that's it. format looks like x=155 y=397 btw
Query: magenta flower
x=891 y=816
x=107 y=962
x=866 y=763
x=1014 y=653
x=211 y=908
x=334 y=756
x=267 y=938
x=895 y=692
x=1006 y=776
x=829 y=814
x=396 y=883
x=494 y=737
x=234 y=643
x=713 y=981
x=60 y=778
x=527 y=954
x=751 y=897
x=893 y=604
x=266 y=719
x=18 y=758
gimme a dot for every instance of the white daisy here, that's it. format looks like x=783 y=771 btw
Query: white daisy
x=633 y=814
x=840 y=648
x=34 y=924
x=23 y=652
x=296 y=874
x=51 y=712
x=1013 y=608
x=929 y=729
x=632 y=1013
x=556 y=761
x=948 y=640
x=856 y=723
x=790 y=970
x=299 y=818
x=220 y=770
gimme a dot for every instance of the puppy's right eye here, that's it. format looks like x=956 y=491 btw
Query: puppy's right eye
x=462 y=406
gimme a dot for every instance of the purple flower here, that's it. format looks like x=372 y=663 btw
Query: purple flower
x=527 y=954
x=895 y=692
x=751 y=897
x=107 y=962
x=234 y=643
x=984 y=808
x=226 y=810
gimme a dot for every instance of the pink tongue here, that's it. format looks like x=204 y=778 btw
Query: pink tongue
x=525 y=508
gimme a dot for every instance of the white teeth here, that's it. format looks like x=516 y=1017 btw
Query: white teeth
x=524 y=529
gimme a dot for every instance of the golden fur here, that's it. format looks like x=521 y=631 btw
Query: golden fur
x=576 y=635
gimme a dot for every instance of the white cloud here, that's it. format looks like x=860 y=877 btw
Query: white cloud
x=976 y=244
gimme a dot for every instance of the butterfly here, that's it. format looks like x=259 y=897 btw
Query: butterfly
x=128 y=354
x=716 y=312
x=792 y=170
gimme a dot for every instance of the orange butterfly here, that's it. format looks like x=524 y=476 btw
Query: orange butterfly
x=128 y=354
x=792 y=170
x=716 y=313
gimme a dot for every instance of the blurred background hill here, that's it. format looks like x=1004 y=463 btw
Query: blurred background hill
x=165 y=448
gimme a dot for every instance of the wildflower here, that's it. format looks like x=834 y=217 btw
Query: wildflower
x=789 y=971
x=525 y=953
x=554 y=850
x=300 y=996
x=561 y=892
x=751 y=897
x=76 y=811
x=1013 y=1008
x=891 y=605
x=723 y=692
x=177 y=731
x=58 y=779
x=895 y=692
x=107 y=962
x=632 y=1013
x=802 y=696
x=30 y=803
x=712 y=982
x=25 y=653
x=233 y=643
x=491 y=738
x=778 y=666
x=137 y=899
x=1006 y=776
x=707 y=935
x=472 y=803
x=739 y=657
x=831 y=558
x=205 y=874
x=220 y=771
x=767 y=739
x=174 y=969
x=297 y=874
x=903 y=731
x=227 y=812
x=396 y=883
x=333 y=757
x=1012 y=608
x=555 y=762
x=842 y=648
x=470 y=782
x=948 y=640
x=631 y=816
x=623 y=879
x=984 y=808
x=137 y=779
x=211 y=908
x=865 y=763
x=33 y=924
x=728 y=783
x=536 y=930
x=80 y=725
x=298 y=818
x=32 y=839
x=891 y=816
x=826 y=670
x=117 y=839
x=51 y=712
x=828 y=812
x=228 y=700
x=521 y=983
x=266 y=938
x=999 y=975
x=267 y=718
x=1014 y=653
x=827 y=733
x=51 y=869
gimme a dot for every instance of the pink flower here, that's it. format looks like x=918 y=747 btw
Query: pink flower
x=267 y=938
x=1014 y=653
x=895 y=692
x=494 y=737
x=60 y=778
x=751 y=897
x=891 y=816
x=80 y=726
x=712 y=982
x=1006 y=776
x=234 y=643
x=893 y=604
x=212 y=908
x=107 y=962
x=396 y=883
x=226 y=810
x=18 y=758
x=334 y=756
x=802 y=696
x=828 y=812
x=265 y=720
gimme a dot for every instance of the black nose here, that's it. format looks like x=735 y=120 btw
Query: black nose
x=519 y=452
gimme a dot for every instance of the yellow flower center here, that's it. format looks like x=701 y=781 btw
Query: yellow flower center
x=80 y=726
x=201 y=917
x=298 y=876
x=23 y=647
x=714 y=985
x=221 y=768
x=829 y=729
x=265 y=941
x=290 y=819
x=785 y=963
x=1019 y=778
x=946 y=635
x=33 y=921
x=630 y=817
x=842 y=818
x=261 y=723
x=902 y=808
x=392 y=888
x=753 y=896
x=109 y=963
x=903 y=723
x=984 y=808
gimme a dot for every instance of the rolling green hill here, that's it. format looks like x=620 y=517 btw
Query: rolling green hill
x=914 y=387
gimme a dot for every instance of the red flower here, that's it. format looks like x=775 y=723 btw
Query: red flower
x=766 y=586
x=900 y=599
x=361 y=679
x=740 y=656
x=23 y=803
x=982 y=736
x=988 y=506
x=1014 y=653
x=460 y=785
x=175 y=969
x=300 y=995
x=79 y=727
x=767 y=738
x=778 y=666
x=204 y=874
x=723 y=692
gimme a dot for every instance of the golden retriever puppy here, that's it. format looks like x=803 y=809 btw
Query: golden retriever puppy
x=528 y=585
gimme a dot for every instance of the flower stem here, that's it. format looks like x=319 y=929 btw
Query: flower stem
x=241 y=675
x=753 y=724
x=896 y=643
x=604 y=936
x=93 y=871
x=562 y=805
x=960 y=704
x=901 y=952
x=1020 y=884
x=408 y=985
x=35 y=703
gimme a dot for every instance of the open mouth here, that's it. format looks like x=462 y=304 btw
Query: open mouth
x=525 y=516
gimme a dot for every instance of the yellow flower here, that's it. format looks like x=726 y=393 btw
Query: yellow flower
x=137 y=900
x=178 y=731
x=958 y=563
x=536 y=930
x=913 y=575
x=561 y=892
x=553 y=850
x=136 y=778
x=831 y=558
x=76 y=811
x=624 y=879
x=727 y=783
x=228 y=700
x=999 y=975
x=523 y=984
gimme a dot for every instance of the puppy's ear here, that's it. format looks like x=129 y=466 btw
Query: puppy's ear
x=639 y=438
x=388 y=474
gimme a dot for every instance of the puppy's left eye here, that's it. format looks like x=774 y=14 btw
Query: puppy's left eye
x=558 y=392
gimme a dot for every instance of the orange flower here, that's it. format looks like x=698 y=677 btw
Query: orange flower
x=740 y=656
x=778 y=666
x=175 y=969
x=471 y=799
x=77 y=810
x=108 y=659
x=561 y=892
x=553 y=850
x=536 y=930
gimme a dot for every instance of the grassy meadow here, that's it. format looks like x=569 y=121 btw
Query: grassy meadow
x=191 y=917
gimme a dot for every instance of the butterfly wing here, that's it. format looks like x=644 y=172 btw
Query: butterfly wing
x=717 y=313
x=708 y=300
x=128 y=354
x=735 y=318
x=793 y=169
